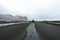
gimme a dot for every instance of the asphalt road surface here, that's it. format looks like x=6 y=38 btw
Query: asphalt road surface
x=30 y=31
x=48 y=31
x=13 y=32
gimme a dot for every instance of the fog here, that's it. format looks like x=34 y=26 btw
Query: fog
x=33 y=9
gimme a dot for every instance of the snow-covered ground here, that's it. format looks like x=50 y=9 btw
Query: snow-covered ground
x=6 y=24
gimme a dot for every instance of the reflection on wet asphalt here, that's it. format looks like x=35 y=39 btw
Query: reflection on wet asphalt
x=32 y=33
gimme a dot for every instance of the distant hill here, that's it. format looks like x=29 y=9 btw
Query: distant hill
x=6 y=16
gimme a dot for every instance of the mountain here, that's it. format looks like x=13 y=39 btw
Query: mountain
x=6 y=16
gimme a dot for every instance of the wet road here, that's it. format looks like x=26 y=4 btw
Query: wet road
x=16 y=32
x=48 y=31
x=13 y=32
x=32 y=33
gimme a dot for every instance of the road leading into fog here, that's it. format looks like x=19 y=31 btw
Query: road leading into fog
x=32 y=33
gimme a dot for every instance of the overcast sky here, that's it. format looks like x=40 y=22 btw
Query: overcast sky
x=34 y=9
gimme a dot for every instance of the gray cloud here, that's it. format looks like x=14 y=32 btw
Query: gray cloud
x=35 y=9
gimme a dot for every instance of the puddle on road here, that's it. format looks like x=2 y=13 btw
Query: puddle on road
x=32 y=33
